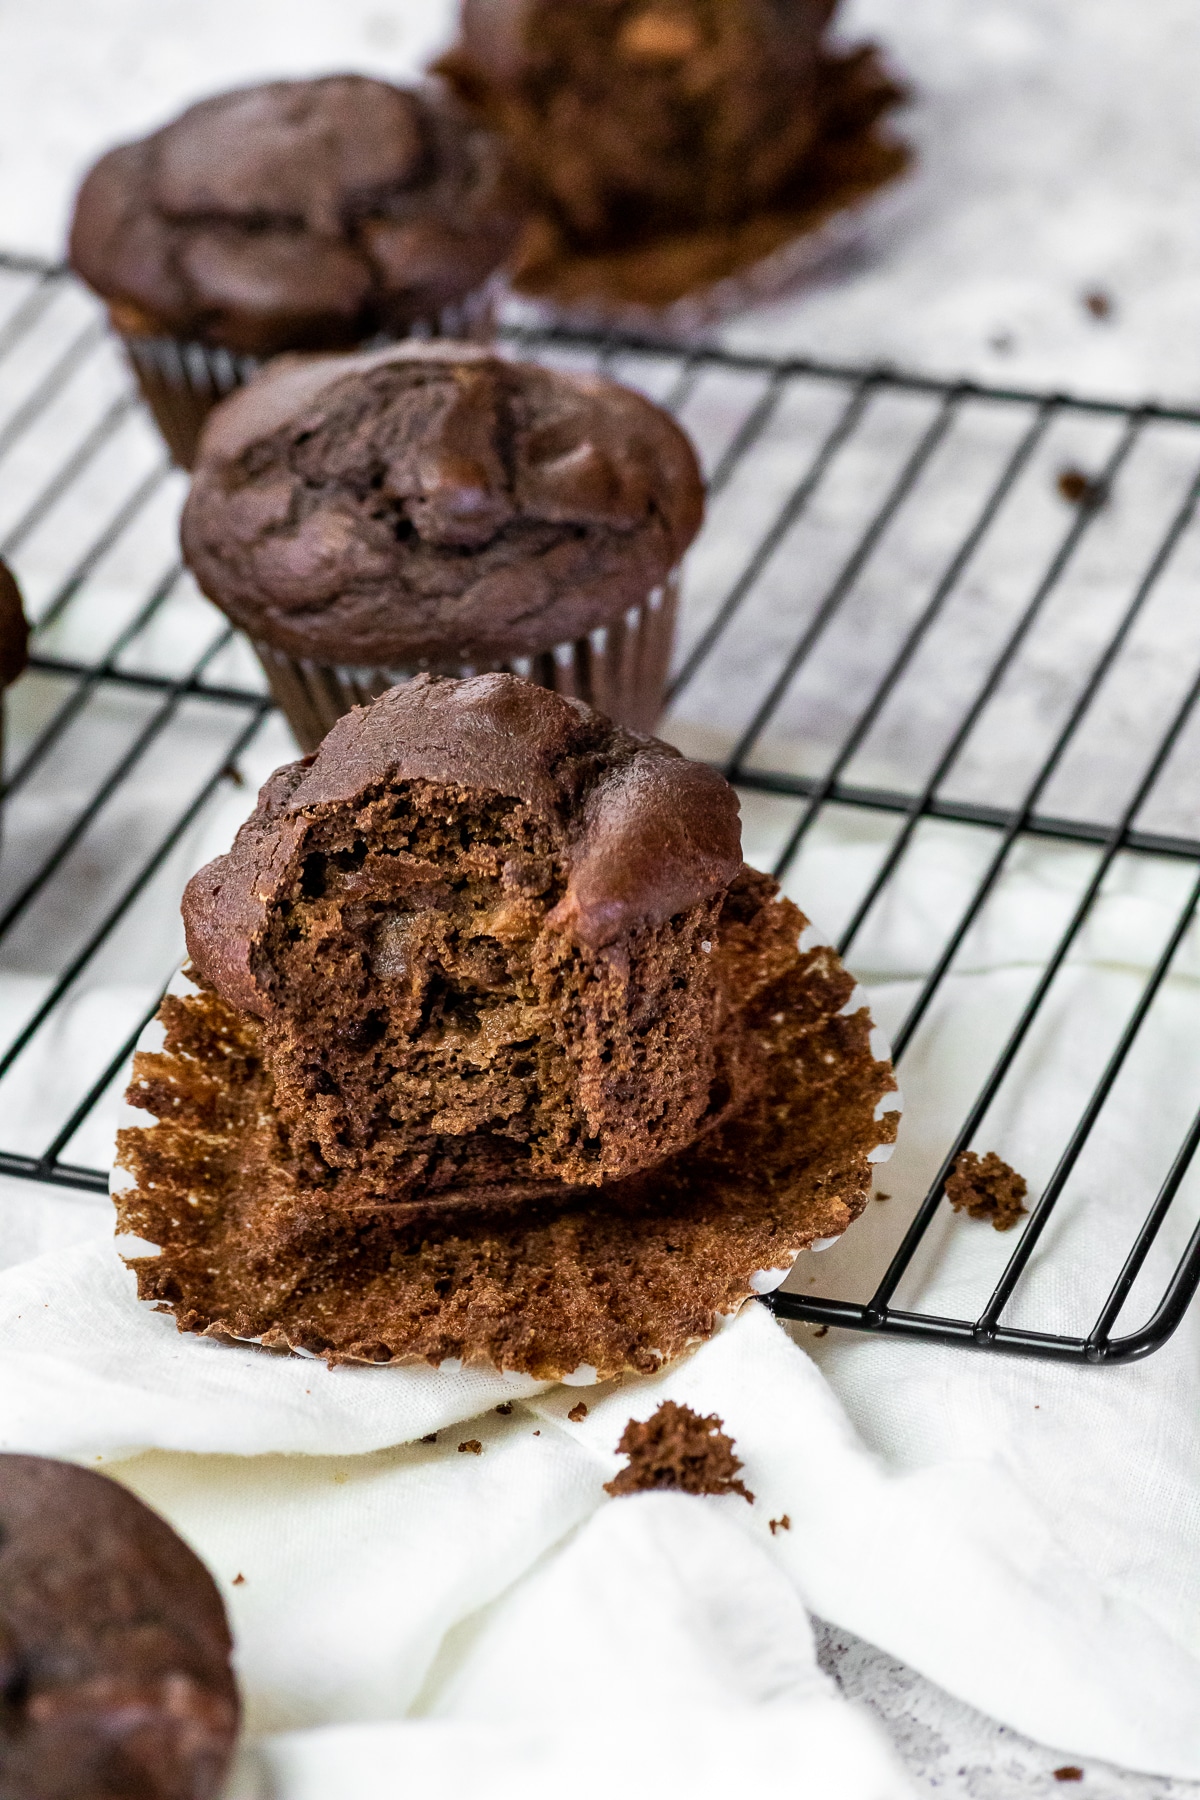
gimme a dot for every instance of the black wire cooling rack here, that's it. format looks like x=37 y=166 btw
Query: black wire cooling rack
x=944 y=638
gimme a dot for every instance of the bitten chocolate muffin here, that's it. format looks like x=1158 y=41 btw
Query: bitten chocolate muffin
x=499 y=1053
x=478 y=932
x=114 y=1650
x=296 y=215
x=14 y=629
x=665 y=144
x=434 y=506
x=299 y=215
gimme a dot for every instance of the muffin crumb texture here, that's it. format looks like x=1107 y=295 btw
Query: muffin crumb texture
x=675 y=1450
x=986 y=1188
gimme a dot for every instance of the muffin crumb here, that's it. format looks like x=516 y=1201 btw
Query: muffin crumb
x=676 y=1450
x=987 y=1188
x=504 y=1408
x=430 y=1438
x=473 y=1446
x=1098 y=303
x=1085 y=491
x=781 y=1524
x=1068 y=1772
x=239 y=1580
x=578 y=1413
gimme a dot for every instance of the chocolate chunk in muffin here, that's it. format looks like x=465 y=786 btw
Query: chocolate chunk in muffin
x=14 y=629
x=664 y=143
x=478 y=929
x=296 y=215
x=430 y=505
x=114 y=1649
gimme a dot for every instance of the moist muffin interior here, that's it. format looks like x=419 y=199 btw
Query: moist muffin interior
x=423 y=996
x=482 y=927
x=620 y=1277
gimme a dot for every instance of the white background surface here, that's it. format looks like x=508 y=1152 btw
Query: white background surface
x=1059 y=145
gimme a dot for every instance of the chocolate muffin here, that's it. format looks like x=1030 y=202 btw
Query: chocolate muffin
x=298 y=215
x=114 y=1648
x=666 y=144
x=14 y=629
x=472 y=926
x=434 y=507
x=499 y=1053
x=14 y=638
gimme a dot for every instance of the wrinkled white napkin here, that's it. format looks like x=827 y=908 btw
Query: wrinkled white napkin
x=381 y=1581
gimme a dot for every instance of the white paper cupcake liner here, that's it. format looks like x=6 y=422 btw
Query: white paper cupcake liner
x=620 y=669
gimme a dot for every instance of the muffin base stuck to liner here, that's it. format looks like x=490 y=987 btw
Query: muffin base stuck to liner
x=182 y=381
x=620 y=669
x=602 y=1280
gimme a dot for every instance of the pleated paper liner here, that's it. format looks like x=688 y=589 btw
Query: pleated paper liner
x=677 y=288
x=620 y=669
x=579 y=1285
x=182 y=381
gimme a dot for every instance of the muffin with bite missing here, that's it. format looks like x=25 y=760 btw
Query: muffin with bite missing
x=434 y=507
x=296 y=215
x=497 y=1051
x=14 y=637
x=666 y=146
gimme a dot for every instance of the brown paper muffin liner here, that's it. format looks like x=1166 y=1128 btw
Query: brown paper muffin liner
x=581 y=1287
x=620 y=669
x=182 y=381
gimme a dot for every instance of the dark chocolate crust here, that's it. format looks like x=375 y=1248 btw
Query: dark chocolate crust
x=479 y=926
x=664 y=143
x=623 y=1277
x=14 y=629
x=296 y=215
x=114 y=1648
x=426 y=506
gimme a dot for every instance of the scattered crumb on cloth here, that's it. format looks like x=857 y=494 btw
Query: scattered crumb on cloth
x=677 y=1450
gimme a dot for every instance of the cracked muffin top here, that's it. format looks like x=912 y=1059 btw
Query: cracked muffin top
x=426 y=505
x=296 y=215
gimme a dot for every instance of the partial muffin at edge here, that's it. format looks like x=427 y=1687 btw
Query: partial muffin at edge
x=480 y=929
x=114 y=1645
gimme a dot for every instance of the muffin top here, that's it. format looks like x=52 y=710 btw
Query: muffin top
x=296 y=215
x=648 y=833
x=430 y=505
x=14 y=629
x=641 y=125
x=113 y=1642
